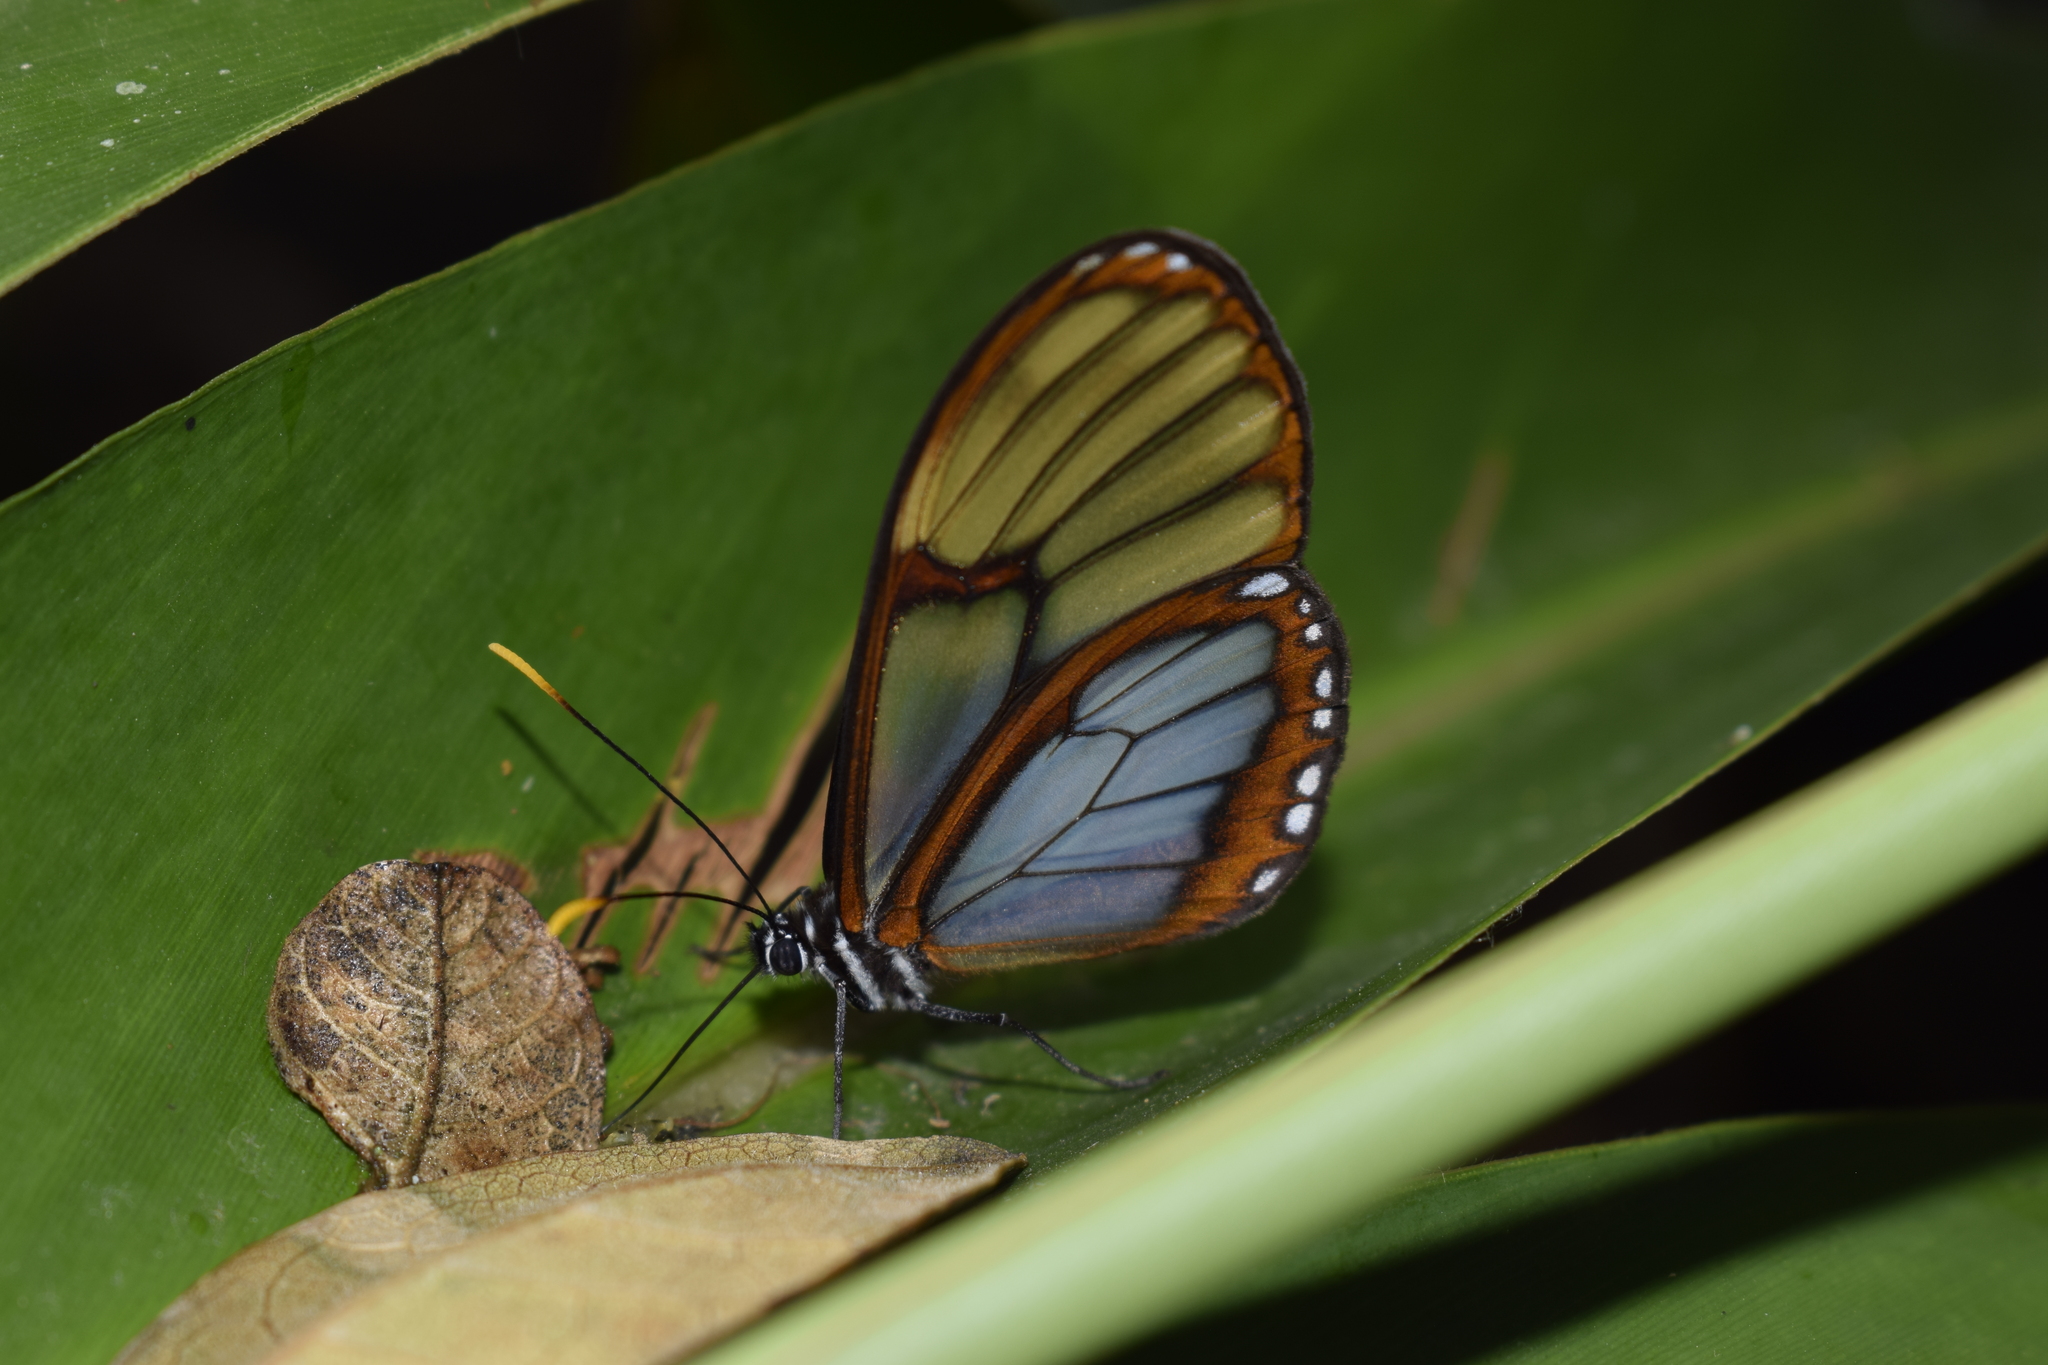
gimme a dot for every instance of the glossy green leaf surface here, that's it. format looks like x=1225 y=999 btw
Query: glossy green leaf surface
x=106 y=106
x=1738 y=308
x=1886 y=1238
x=1168 y=1220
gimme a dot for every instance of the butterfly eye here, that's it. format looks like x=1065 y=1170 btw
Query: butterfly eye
x=785 y=956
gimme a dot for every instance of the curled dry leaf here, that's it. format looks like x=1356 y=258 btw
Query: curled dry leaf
x=424 y=1009
x=619 y=1255
x=505 y=868
x=668 y=851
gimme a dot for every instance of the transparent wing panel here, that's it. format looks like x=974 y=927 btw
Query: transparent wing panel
x=946 y=671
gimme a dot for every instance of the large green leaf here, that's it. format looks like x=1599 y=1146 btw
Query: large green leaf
x=108 y=107
x=1869 y=1238
x=1166 y=1221
x=1741 y=297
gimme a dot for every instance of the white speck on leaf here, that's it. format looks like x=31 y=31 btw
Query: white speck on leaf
x=106 y=142
x=225 y=72
x=130 y=88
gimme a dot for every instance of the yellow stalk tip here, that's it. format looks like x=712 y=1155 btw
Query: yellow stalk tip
x=532 y=674
x=572 y=911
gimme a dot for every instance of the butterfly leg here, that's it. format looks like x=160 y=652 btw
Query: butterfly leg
x=839 y=1065
x=953 y=1016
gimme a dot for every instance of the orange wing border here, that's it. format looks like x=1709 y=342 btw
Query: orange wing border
x=898 y=580
x=1247 y=837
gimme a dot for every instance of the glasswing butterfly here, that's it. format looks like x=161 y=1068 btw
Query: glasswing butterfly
x=1095 y=701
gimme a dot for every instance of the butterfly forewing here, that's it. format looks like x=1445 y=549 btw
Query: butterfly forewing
x=1071 y=718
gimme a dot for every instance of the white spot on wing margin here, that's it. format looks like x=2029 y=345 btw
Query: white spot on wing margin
x=1265 y=585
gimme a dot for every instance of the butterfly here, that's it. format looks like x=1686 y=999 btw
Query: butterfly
x=1095 y=701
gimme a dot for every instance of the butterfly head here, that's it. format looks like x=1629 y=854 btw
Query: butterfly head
x=779 y=942
x=778 y=949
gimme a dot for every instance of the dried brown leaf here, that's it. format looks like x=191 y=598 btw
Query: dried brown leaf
x=621 y=1254
x=427 y=1013
x=670 y=851
x=506 y=869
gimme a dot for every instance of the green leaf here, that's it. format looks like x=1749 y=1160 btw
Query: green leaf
x=1921 y=1237
x=1740 y=302
x=109 y=107
x=1208 y=1197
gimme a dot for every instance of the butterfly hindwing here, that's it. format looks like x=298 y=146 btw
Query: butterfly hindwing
x=1165 y=780
x=1074 y=723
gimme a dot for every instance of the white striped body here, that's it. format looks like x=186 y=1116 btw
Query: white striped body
x=807 y=936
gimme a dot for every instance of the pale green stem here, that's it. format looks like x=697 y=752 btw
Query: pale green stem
x=1154 y=1226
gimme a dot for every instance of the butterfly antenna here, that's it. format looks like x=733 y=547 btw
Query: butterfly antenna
x=687 y=896
x=695 y=1034
x=572 y=911
x=533 y=676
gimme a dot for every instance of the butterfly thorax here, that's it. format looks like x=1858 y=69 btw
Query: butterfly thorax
x=806 y=936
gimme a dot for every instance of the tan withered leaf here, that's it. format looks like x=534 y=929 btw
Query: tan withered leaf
x=424 y=1009
x=670 y=851
x=618 y=1255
